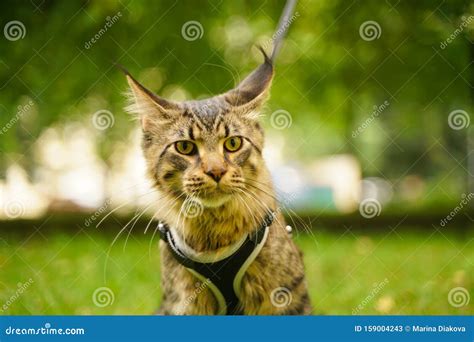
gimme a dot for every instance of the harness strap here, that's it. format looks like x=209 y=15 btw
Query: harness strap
x=223 y=277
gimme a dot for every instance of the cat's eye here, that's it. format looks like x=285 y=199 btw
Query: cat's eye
x=233 y=144
x=185 y=147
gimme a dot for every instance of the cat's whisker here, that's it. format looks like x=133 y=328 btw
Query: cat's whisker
x=133 y=225
x=121 y=206
x=262 y=205
x=180 y=211
x=149 y=222
x=170 y=203
x=246 y=205
x=134 y=218
x=262 y=190
x=305 y=226
x=154 y=216
x=151 y=242
x=112 y=244
x=252 y=215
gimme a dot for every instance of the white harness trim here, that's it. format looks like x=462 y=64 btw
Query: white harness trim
x=246 y=264
x=208 y=256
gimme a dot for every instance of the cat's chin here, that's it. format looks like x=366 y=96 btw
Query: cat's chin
x=215 y=201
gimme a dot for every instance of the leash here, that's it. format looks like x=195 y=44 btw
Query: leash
x=282 y=27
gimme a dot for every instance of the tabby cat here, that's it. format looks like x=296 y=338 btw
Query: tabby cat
x=209 y=152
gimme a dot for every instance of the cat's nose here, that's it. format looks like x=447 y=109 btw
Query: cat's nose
x=216 y=173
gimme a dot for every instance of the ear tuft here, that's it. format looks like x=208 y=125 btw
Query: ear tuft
x=253 y=90
x=145 y=104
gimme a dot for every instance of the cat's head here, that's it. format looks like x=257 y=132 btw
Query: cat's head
x=207 y=149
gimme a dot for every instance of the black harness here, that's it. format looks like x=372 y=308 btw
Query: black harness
x=223 y=277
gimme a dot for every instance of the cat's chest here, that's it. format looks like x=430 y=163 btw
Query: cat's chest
x=271 y=269
x=254 y=290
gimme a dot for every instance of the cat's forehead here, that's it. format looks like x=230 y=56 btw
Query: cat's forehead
x=206 y=111
x=207 y=120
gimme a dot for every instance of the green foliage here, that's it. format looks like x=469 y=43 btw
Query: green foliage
x=328 y=77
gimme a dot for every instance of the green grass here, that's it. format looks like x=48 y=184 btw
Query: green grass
x=414 y=271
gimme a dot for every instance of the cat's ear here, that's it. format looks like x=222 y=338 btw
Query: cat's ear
x=149 y=107
x=252 y=92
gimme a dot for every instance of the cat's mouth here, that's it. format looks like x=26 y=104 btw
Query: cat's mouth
x=215 y=198
x=215 y=201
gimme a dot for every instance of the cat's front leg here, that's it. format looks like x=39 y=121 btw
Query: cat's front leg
x=183 y=294
x=195 y=303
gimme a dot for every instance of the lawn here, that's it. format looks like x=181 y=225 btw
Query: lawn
x=407 y=271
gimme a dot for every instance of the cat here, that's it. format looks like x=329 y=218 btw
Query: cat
x=207 y=155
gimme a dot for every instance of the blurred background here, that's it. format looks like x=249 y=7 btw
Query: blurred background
x=368 y=138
